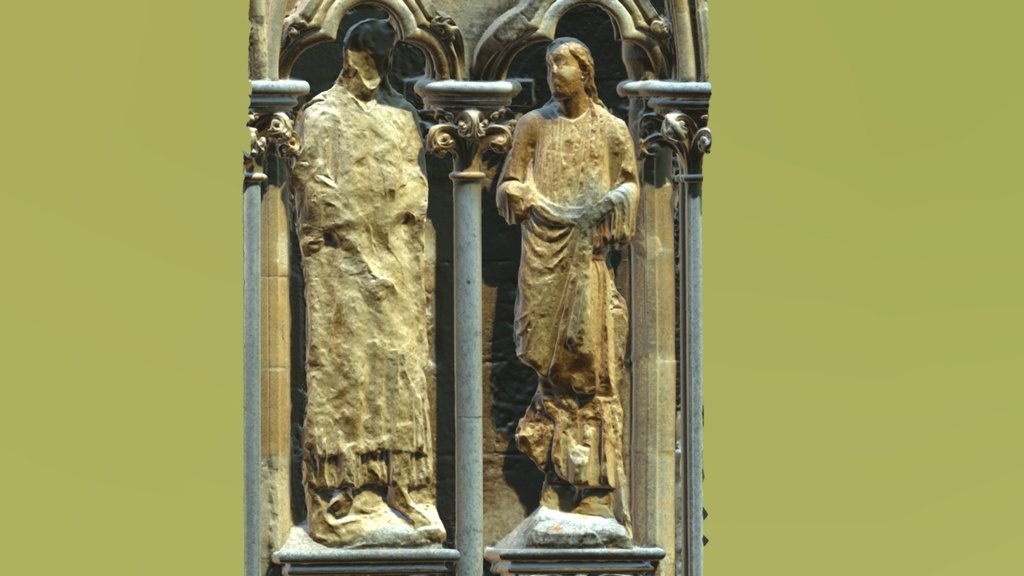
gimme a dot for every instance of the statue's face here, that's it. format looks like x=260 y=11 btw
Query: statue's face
x=365 y=66
x=564 y=75
x=361 y=70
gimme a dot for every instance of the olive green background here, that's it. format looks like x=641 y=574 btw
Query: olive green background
x=862 y=288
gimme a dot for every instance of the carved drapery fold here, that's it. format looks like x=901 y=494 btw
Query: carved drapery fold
x=533 y=21
x=434 y=32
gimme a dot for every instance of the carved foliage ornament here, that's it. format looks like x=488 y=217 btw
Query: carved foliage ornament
x=687 y=137
x=272 y=132
x=676 y=129
x=465 y=133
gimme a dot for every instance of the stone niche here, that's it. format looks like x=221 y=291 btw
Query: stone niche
x=511 y=481
x=647 y=272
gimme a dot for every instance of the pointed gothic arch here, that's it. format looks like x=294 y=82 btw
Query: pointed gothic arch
x=533 y=21
x=316 y=21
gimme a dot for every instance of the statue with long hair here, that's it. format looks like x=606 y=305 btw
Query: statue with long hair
x=570 y=182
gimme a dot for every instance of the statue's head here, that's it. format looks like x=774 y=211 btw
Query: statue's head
x=571 y=69
x=368 y=47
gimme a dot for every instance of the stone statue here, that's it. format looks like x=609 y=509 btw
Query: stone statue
x=361 y=202
x=570 y=181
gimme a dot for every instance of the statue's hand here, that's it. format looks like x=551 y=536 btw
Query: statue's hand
x=520 y=197
x=518 y=189
x=606 y=222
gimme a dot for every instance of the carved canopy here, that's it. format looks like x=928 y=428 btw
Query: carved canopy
x=437 y=35
x=316 y=21
x=533 y=21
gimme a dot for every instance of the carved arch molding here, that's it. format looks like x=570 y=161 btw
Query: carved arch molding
x=529 y=22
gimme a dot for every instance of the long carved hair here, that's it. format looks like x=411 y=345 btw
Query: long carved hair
x=584 y=60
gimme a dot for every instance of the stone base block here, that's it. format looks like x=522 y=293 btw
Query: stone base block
x=301 y=555
x=593 y=561
x=548 y=528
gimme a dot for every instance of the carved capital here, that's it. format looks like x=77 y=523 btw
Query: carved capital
x=468 y=133
x=688 y=137
x=272 y=133
x=678 y=119
x=470 y=119
x=271 y=125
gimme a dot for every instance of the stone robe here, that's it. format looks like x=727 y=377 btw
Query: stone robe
x=361 y=201
x=571 y=322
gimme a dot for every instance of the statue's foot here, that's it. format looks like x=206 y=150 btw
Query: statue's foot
x=371 y=523
x=550 y=528
x=421 y=515
x=596 y=503
x=562 y=497
x=429 y=523
x=365 y=501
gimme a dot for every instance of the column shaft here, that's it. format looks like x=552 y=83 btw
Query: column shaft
x=275 y=365
x=469 y=516
x=682 y=37
x=272 y=135
x=655 y=370
x=472 y=127
x=251 y=394
x=693 y=378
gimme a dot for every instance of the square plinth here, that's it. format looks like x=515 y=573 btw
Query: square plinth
x=604 y=561
x=301 y=555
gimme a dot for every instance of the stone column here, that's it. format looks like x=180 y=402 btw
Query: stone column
x=271 y=131
x=682 y=40
x=275 y=361
x=679 y=123
x=653 y=336
x=652 y=270
x=468 y=115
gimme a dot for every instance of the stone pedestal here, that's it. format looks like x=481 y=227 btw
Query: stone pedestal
x=583 y=561
x=301 y=555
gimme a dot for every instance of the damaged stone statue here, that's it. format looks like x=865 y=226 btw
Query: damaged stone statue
x=361 y=201
x=570 y=182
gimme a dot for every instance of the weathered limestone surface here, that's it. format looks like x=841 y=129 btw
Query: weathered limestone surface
x=361 y=200
x=570 y=182
x=473 y=17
